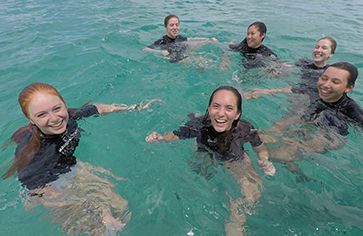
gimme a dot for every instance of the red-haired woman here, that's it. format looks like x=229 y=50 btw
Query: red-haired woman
x=78 y=198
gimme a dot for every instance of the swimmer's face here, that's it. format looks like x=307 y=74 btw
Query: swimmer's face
x=333 y=83
x=223 y=110
x=172 y=28
x=49 y=113
x=254 y=37
x=322 y=52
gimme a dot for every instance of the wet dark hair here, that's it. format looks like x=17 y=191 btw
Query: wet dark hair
x=167 y=18
x=236 y=93
x=332 y=41
x=350 y=68
x=260 y=26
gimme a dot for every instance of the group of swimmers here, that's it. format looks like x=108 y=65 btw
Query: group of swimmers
x=44 y=158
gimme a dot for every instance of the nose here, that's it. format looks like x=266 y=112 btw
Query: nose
x=221 y=112
x=53 y=116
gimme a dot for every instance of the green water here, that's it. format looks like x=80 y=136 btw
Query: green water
x=92 y=52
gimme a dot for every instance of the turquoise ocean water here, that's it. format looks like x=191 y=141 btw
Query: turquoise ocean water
x=92 y=52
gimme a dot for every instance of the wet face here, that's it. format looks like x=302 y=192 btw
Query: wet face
x=49 y=113
x=322 y=52
x=254 y=37
x=172 y=28
x=332 y=84
x=223 y=110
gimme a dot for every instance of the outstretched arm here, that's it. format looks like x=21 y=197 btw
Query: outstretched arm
x=209 y=40
x=257 y=92
x=109 y=108
x=267 y=167
x=162 y=52
x=155 y=137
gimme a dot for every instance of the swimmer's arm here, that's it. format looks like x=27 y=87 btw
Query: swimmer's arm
x=263 y=156
x=257 y=92
x=163 y=52
x=110 y=108
x=156 y=137
x=211 y=40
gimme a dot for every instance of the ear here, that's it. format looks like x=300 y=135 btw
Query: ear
x=237 y=117
x=349 y=88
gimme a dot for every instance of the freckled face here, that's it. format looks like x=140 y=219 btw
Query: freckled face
x=223 y=110
x=332 y=84
x=322 y=52
x=172 y=28
x=49 y=113
x=254 y=37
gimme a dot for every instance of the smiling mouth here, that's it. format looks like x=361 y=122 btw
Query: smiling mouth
x=59 y=124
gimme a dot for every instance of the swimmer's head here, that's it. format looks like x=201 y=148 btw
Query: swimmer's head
x=172 y=23
x=323 y=50
x=337 y=80
x=45 y=108
x=256 y=33
x=261 y=28
x=350 y=68
x=225 y=108
x=333 y=43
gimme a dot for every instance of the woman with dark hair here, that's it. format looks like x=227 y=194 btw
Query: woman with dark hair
x=172 y=44
x=255 y=54
x=81 y=200
x=221 y=132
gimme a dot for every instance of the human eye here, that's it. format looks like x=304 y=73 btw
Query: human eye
x=41 y=115
x=336 y=81
x=324 y=78
x=230 y=108
x=57 y=108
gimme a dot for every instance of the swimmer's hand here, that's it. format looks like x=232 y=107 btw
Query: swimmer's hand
x=267 y=167
x=250 y=95
x=138 y=107
x=164 y=52
x=156 y=137
x=213 y=40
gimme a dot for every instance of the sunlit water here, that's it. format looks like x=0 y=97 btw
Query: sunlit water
x=92 y=52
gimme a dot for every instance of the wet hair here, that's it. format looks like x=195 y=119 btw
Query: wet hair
x=28 y=137
x=236 y=93
x=350 y=68
x=261 y=27
x=167 y=18
x=332 y=41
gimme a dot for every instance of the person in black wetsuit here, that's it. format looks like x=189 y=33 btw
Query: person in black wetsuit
x=222 y=133
x=254 y=53
x=172 y=44
x=44 y=161
x=332 y=113
x=310 y=72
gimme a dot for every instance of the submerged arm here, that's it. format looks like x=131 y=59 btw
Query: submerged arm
x=257 y=92
x=263 y=156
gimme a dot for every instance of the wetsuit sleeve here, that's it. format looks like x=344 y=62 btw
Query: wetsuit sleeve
x=86 y=110
x=156 y=44
x=189 y=130
x=354 y=112
x=254 y=138
x=238 y=47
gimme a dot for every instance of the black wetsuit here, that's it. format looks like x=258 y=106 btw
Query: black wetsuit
x=255 y=57
x=228 y=145
x=310 y=74
x=176 y=47
x=335 y=116
x=55 y=154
